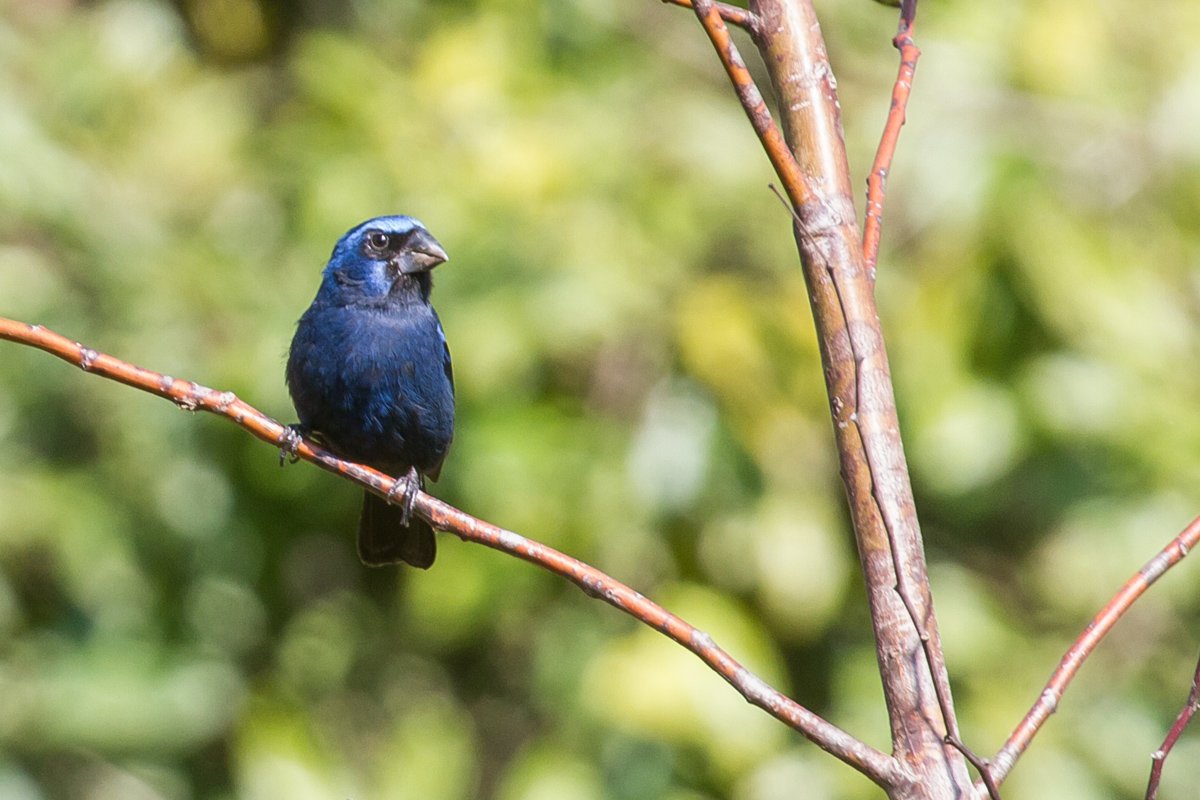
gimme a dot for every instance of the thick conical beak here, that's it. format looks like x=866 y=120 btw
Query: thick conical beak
x=421 y=253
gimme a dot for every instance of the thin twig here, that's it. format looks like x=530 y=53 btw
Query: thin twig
x=752 y=101
x=1082 y=647
x=878 y=766
x=734 y=15
x=1181 y=722
x=877 y=180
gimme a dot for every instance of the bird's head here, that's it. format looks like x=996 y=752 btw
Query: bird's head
x=385 y=256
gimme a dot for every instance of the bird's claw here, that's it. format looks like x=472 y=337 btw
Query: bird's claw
x=404 y=494
x=289 y=443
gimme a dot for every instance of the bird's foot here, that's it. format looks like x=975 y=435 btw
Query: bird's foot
x=289 y=443
x=404 y=494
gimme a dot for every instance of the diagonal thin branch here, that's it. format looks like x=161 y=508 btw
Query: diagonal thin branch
x=877 y=180
x=1097 y=629
x=1159 y=758
x=878 y=766
x=734 y=15
x=773 y=141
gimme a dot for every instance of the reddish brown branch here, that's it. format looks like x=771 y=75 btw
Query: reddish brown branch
x=753 y=104
x=877 y=180
x=878 y=766
x=731 y=14
x=1181 y=722
x=1097 y=629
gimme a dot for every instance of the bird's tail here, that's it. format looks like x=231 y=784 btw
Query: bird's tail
x=384 y=540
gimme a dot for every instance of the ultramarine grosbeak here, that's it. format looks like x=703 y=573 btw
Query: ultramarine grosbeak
x=369 y=374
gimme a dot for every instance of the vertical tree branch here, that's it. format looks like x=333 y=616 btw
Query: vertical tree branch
x=916 y=687
x=839 y=274
x=817 y=179
x=877 y=180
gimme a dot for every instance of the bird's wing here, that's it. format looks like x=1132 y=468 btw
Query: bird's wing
x=433 y=472
x=446 y=365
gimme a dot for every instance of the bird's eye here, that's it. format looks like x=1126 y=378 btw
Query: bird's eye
x=378 y=242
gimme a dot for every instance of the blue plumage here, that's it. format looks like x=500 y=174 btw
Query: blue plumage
x=369 y=373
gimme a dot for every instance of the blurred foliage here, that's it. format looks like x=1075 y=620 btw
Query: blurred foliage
x=638 y=385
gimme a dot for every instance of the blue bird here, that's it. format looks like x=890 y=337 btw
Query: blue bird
x=369 y=374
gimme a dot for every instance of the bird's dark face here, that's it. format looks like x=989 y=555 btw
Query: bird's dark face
x=384 y=256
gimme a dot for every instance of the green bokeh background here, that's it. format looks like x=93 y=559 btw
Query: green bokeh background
x=638 y=384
